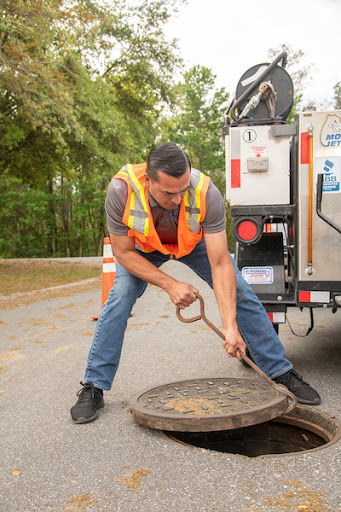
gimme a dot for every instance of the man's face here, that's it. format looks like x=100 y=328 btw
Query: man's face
x=168 y=191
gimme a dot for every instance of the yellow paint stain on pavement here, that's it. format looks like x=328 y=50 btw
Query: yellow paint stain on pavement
x=9 y=358
x=12 y=357
x=37 y=322
x=61 y=349
x=60 y=315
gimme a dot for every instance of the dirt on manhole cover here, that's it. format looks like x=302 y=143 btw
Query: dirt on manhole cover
x=208 y=404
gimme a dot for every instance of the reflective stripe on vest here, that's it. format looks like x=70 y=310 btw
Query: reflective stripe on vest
x=192 y=201
x=138 y=215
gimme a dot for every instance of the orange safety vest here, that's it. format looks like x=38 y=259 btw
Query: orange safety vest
x=138 y=217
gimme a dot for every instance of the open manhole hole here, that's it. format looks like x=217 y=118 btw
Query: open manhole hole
x=301 y=430
x=240 y=416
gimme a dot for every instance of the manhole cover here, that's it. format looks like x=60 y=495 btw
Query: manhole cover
x=202 y=405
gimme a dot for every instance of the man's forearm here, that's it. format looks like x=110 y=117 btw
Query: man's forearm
x=225 y=290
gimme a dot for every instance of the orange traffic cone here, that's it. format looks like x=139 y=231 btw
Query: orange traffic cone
x=109 y=271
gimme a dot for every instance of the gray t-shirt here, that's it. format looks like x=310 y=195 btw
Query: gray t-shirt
x=165 y=221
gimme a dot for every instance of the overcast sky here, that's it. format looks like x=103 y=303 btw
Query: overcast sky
x=230 y=36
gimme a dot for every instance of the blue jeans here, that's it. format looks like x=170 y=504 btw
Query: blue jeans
x=253 y=322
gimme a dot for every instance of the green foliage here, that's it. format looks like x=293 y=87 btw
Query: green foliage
x=25 y=219
x=229 y=228
x=35 y=93
x=296 y=108
x=196 y=126
x=196 y=123
x=82 y=86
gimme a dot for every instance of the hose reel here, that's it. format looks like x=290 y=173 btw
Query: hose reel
x=265 y=93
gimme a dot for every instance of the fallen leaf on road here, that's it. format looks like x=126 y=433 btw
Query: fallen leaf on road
x=133 y=482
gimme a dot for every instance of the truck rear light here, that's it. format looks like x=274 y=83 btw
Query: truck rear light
x=314 y=296
x=277 y=317
x=248 y=230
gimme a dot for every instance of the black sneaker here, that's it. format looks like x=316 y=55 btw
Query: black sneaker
x=90 y=399
x=250 y=357
x=301 y=389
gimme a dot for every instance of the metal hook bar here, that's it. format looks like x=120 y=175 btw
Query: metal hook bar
x=202 y=316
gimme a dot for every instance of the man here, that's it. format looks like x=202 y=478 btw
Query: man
x=162 y=210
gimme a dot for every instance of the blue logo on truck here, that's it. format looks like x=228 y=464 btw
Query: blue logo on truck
x=330 y=135
x=331 y=169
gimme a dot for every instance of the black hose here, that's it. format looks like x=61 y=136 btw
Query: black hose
x=259 y=80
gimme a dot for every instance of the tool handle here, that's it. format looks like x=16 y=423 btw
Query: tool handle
x=202 y=316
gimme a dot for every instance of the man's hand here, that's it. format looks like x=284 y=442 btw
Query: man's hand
x=233 y=341
x=182 y=294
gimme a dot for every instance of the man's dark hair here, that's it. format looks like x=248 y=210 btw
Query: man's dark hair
x=169 y=159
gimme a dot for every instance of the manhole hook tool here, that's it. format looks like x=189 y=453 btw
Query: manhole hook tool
x=202 y=316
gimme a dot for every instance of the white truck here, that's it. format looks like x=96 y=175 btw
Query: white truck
x=283 y=185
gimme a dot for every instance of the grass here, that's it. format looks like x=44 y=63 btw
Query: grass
x=28 y=275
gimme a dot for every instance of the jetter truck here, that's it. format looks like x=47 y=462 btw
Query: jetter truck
x=283 y=185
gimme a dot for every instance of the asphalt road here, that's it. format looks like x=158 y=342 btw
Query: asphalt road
x=48 y=463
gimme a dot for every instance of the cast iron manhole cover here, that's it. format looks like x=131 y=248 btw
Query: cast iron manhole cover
x=203 y=405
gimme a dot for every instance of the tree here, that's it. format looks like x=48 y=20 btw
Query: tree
x=83 y=85
x=48 y=48
x=34 y=93
x=299 y=73
x=196 y=124
x=337 y=95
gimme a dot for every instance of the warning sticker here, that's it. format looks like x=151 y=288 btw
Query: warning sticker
x=258 y=275
x=258 y=150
